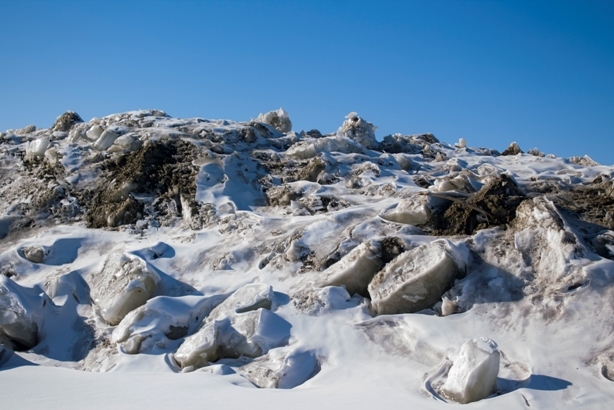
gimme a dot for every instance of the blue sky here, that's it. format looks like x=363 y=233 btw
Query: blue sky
x=537 y=72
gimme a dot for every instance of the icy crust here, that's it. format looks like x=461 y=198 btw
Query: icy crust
x=124 y=283
x=417 y=278
x=21 y=310
x=473 y=375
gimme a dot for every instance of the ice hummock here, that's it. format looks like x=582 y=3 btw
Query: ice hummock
x=473 y=375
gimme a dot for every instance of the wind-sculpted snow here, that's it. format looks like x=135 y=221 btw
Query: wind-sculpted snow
x=378 y=270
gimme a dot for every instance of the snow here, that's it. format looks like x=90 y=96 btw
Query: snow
x=274 y=268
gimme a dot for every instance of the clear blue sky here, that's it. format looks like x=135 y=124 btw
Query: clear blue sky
x=537 y=72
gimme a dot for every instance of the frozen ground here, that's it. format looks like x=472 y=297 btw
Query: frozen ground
x=151 y=261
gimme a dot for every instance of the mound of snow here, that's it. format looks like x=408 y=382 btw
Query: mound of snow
x=252 y=296
x=416 y=279
x=249 y=334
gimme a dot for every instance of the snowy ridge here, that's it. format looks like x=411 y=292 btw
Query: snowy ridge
x=405 y=271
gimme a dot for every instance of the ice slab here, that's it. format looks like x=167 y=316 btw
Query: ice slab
x=252 y=296
x=37 y=147
x=416 y=279
x=413 y=211
x=124 y=284
x=161 y=319
x=355 y=270
x=20 y=312
x=473 y=375
x=106 y=139
x=280 y=370
x=249 y=334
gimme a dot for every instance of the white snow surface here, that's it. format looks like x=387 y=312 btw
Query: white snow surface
x=251 y=260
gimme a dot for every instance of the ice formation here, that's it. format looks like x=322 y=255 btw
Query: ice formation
x=20 y=313
x=414 y=211
x=278 y=119
x=242 y=325
x=350 y=269
x=416 y=279
x=282 y=370
x=124 y=284
x=473 y=375
x=361 y=131
x=355 y=270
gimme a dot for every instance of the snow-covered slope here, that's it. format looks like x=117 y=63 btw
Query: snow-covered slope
x=279 y=269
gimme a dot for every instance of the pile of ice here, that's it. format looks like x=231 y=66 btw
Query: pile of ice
x=318 y=262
